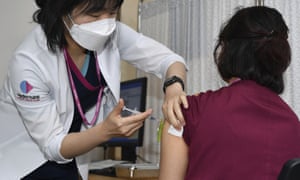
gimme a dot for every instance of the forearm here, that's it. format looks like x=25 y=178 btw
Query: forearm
x=175 y=96
x=177 y=69
x=114 y=125
x=75 y=144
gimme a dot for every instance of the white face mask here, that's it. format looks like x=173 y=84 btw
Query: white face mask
x=93 y=35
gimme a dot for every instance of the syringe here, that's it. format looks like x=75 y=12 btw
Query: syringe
x=171 y=129
x=133 y=111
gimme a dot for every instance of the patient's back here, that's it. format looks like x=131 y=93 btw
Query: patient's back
x=244 y=131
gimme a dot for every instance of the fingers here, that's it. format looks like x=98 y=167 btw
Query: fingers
x=116 y=125
x=138 y=117
x=128 y=125
x=136 y=121
x=172 y=116
x=177 y=114
x=178 y=109
x=184 y=101
x=132 y=128
x=172 y=110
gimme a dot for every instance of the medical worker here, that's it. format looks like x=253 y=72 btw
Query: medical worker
x=61 y=95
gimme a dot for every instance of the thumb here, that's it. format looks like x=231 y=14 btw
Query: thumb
x=119 y=107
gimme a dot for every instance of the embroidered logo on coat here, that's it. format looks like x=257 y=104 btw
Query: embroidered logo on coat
x=26 y=88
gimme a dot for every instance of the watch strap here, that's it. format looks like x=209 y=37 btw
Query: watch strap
x=172 y=80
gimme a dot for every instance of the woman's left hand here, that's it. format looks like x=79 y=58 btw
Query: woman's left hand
x=175 y=97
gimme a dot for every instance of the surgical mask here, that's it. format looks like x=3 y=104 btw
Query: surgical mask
x=93 y=35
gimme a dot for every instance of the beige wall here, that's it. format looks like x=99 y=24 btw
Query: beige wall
x=129 y=16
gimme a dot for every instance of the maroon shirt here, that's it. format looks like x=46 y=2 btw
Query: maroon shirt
x=240 y=132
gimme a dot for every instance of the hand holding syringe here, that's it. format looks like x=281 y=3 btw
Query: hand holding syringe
x=171 y=130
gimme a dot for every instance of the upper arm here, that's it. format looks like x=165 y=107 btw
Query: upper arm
x=144 y=52
x=36 y=105
x=174 y=156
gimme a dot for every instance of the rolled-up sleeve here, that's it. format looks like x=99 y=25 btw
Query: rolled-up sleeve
x=145 y=53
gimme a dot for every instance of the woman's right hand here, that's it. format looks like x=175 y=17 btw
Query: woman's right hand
x=115 y=125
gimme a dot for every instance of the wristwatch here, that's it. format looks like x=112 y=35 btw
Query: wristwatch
x=172 y=80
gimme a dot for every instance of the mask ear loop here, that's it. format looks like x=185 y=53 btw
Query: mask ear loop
x=70 y=18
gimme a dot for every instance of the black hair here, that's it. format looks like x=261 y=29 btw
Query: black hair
x=51 y=12
x=253 y=45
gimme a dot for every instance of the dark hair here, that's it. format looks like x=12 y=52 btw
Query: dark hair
x=253 y=45
x=50 y=13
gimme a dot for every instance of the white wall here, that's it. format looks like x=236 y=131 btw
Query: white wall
x=15 y=23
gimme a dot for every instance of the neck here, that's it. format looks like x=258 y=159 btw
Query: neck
x=233 y=80
x=76 y=52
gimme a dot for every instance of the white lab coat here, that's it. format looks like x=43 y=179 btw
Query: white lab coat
x=36 y=104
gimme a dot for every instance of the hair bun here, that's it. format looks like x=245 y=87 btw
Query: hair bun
x=41 y=3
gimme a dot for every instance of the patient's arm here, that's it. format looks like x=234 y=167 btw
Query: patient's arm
x=174 y=156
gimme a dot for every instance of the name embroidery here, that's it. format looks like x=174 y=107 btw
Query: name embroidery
x=28 y=98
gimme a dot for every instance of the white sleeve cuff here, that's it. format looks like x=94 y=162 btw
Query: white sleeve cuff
x=52 y=153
